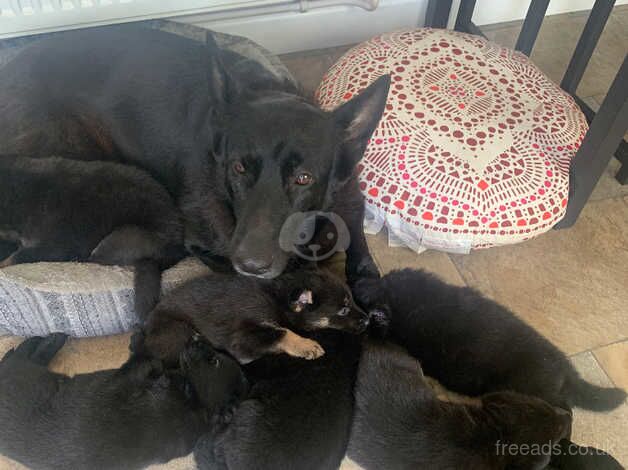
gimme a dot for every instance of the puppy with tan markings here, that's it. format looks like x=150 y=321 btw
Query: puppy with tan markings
x=400 y=423
x=251 y=317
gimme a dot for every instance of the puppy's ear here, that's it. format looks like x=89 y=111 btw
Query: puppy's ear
x=359 y=118
x=301 y=300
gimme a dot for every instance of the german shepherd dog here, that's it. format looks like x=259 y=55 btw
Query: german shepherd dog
x=400 y=423
x=250 y=317
x=116 y=419
x=297 y=414
x=57 y=209
x=239 y=161
x=473 y=345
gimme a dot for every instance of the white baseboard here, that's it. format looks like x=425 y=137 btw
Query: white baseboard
x=320 y=28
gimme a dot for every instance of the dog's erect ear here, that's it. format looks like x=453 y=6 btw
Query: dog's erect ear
x=223 y=87
x=301 y=300
x=359 y=118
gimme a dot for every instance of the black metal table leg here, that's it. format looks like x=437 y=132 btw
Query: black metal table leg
x=437 y=14
x=531 y=26
x=606 y=131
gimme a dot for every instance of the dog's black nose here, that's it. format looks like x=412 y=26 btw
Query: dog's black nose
x=252 y=267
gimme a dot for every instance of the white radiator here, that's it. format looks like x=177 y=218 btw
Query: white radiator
x=23 y=17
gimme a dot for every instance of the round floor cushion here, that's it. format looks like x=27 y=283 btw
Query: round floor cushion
x=475 y=143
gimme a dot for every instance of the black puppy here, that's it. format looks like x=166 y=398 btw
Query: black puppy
x=400 y=423
x=251 y=317
x=237 y=160
x=473 y=345
x=64 y=210
x=115 y=419
x=296 y=415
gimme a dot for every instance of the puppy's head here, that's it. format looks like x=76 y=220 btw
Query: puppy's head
x=529 y=427
x=216 y=378
x=317 y=299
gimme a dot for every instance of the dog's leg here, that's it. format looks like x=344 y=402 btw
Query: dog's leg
x=133 y=245
x=252 y=340
x=40 y=350
x=298 y=346
x=350 y=207
x=34 y=254
x=147 y=287
x=125 y=245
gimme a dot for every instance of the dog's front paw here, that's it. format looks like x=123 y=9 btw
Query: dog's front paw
x=312 y=350
x=379 y=320
x=305 y=348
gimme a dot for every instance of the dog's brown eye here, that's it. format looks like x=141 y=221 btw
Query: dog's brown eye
x=238 y=167
x=303 y=179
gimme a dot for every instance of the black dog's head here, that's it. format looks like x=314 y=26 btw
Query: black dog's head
x=216 y=378
x=530 y=428
x=317 y=299
x=282 y=156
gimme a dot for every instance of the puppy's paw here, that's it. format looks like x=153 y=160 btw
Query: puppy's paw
x=308 y=349
x=379 y=320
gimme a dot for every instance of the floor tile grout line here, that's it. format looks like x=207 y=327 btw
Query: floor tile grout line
x=458 y=270
x=599 y=364
x=594 y=348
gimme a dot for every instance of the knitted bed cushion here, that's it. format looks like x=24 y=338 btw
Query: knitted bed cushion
x=80 y=299
x=474 y=146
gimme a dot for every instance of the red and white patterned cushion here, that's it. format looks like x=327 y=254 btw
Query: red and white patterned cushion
x=475 y=144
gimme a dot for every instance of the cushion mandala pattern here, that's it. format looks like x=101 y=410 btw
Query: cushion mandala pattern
x=474 y=146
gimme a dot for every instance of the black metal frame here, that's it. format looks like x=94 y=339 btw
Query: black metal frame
x=607 y=126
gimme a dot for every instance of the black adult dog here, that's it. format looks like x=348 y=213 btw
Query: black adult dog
x=57 y=209
x=400 y=423
x=473 y=345
x=250 y=317
x=238 y=162
x=115 y=419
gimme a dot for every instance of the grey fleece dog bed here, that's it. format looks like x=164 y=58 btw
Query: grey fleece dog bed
x=83 y=299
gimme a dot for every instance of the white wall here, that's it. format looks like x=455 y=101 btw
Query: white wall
x=319 y=28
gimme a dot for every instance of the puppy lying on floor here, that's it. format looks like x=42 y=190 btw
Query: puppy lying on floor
x=250 y=317
x=114 y=419
x=473 y=345
x=399 y=422
x=64 y=210
x=297 y=414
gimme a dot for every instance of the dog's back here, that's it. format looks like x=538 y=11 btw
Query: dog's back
x=401 y=424
x=297 y=415
x=474 y=345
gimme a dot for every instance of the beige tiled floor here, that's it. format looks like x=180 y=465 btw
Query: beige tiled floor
x=572 y=285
